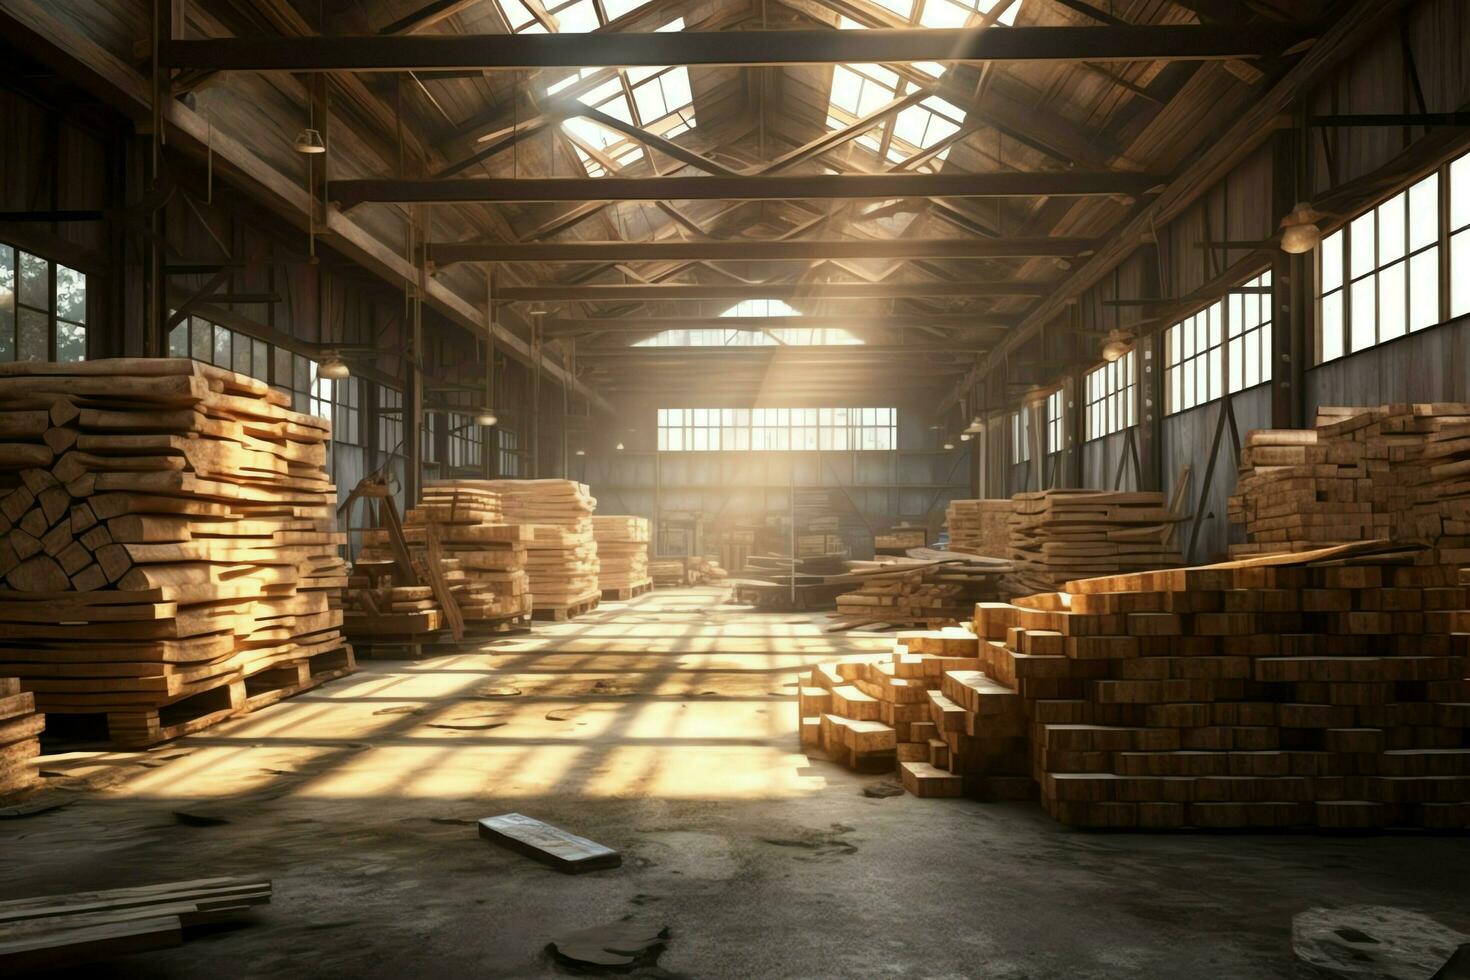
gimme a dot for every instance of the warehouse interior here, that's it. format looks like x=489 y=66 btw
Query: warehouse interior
x=705 y=488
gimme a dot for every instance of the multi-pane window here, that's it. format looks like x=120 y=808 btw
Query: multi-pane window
x=961 y=13
x=509 y=448
x=464 y=440
x=1056 y=427
x=1378 y=277
x=1192 y=359
x=1459 y=236
x=860 y=90
x=43 y=308
x=429 y=438
x=1248 y=333
x=1112 y=396
x=390 y=421
x=341 y=401
x=776 y=429
x=202 y=340
x=1021 y=436
x=718 y=337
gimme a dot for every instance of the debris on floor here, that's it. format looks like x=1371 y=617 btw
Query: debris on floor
x=550 y=845
x=1373 y=942
x=619 y=947
x=54 y=931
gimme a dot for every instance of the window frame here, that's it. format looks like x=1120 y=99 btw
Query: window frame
x=19 y=307
x=777 y=429
x=1110 y=397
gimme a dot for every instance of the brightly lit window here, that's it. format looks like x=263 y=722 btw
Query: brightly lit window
x=1192 y=359
x=1056 y=426
x=1379 y=276
x=43 y=308
x=776 y=429
x=717 y=337
x=1459 y=236
x=860 y=90
x=1111 y=396
x=662 y=102
x=1021 y=436
x=464 y=440
x=962 y=13
x=1248 y=333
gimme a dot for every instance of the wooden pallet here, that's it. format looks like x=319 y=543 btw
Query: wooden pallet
x=282 y=681
x=142 y=727
x=629 y=592
x=558 y=614
x=442 y=643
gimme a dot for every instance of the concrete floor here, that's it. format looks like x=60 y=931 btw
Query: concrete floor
x=663 y=727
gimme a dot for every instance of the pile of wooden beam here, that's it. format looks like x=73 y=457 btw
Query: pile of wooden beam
x=897 y=540
x=980 y=527
x=1059 y=535
x=561 y=553
x=1321 y=689
x=676 y=572
x=53 y=932
x=915 y=592
x=378 y=609
x=622 y=554
x=20 y=737
x=1398 y=471
x=168 y=543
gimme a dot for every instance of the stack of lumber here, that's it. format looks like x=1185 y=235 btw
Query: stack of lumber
x=705 y=569
x=20 y=737
x=668 y=572
x=482 y=558
x=622 y=554
x=378 y=609
x=1398 y=471
x=561 y=554
x=900 y=539
x=52 y=932
x=168 y=539
x=980 y=527
x=1323 y=689
x=916 y=592
x=1059 y=535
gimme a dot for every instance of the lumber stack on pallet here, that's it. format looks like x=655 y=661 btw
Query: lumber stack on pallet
x=378 y=608
x=897 y=540
x=168 y=539
x=668 y=572
x=1325 y=689
x=1060 y=535
x=561 y=553
x=980 y=527
x=919 y=593
x=20 y=737
x=53 y=932
x=1399 y=471
x=483 y=558
x=622 y=554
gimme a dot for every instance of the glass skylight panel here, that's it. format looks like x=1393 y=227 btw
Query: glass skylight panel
x=961 y=13
x=621 y=8
x=921 y=126
x=717 y=337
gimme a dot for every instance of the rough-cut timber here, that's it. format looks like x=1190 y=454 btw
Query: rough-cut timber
x=561 y=553
x=1058 y=535
x=168 y=540
x=20 y=737
x=622 y=555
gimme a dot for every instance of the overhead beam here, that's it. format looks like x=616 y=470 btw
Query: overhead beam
x=765 y=251
x=641 y=292
x=427 y=16
x=652 y=325
x=880 y=186
x=526 y=52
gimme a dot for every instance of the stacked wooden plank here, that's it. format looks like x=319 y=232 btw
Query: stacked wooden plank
x=378 y=609
x=1059 y=535
x=1323 y=689
x=483 y=557
x=668 y=573
x=980 y=527
x=897 y=540
x=561 y=554
x=20 y=737
x=919 y=593
x=53 y=932
x=168 y=541
x=622 y=555
x=1399 y=471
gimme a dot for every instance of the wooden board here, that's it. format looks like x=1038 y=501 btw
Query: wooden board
x=550 y=845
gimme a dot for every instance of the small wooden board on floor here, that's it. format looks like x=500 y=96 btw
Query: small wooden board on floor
x=550 y=845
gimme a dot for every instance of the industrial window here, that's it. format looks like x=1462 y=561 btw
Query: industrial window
x=1379 y=276
x=1021 y=436
x=1192 y=359
x=43 y=308
x=1112 y=396
x=860 y=90
x=339 y=400
x=390 y=421
x=1459 y=236
x=464 y=440
x=962 y=13
x=1248 y=333
x=717 y=337
x=509 y=448
x=776 y=429
x=429 y=438
x=1056 y=425
x=211 y=343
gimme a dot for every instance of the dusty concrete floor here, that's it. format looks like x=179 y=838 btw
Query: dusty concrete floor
x=664 y=728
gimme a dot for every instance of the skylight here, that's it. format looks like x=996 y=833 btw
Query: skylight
x=662 y=99
x=859 y=90
x=717 y=337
